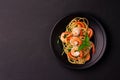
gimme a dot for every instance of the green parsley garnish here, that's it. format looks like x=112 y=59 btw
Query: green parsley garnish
x=85 y=43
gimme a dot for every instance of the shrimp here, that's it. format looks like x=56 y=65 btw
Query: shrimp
x=76 y=53
x=76 y=31
x=64 y=36
x=93 y=48
x=87 y=57
x=75 y=41
x=90 y=32
x=82 y=25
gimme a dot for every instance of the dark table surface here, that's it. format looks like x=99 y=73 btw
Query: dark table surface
x=25 y=27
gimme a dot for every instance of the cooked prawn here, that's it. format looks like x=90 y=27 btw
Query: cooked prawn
x=87 y=57
x=75 y=52
x=63 y=36
x=76 y=31
x=93 y=48
x=75 y=41
x=90 y=32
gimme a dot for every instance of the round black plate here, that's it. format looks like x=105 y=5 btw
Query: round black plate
x=99 y=40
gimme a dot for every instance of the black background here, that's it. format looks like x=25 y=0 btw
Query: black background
x=25 y=27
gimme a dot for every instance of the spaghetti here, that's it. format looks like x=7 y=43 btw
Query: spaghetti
x=76 y=41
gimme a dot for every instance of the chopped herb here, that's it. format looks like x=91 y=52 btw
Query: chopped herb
x=63 y=52
x=69 y=49
x=81 y=47
x=58 y=41
x=85 y=43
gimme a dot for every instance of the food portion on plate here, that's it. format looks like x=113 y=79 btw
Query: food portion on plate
x=76 y=41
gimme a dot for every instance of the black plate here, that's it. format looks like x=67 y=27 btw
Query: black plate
x=99 y=40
